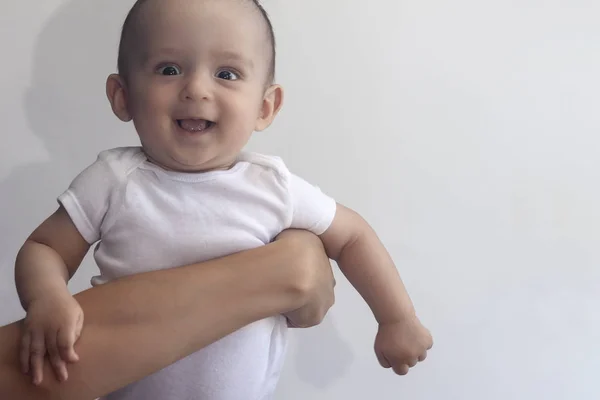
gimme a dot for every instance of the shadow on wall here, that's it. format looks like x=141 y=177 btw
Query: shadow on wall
x=67 y=109
x=323 y=357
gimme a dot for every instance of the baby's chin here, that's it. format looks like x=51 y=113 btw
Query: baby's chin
x=195 y=164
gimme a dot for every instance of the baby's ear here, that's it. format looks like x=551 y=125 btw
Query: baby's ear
x=117 y=95
x=272 y=103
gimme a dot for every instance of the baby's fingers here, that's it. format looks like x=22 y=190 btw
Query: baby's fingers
x=25 y=352
x=66 y=341
x=401 y=369
x=59 y=366
x=382 y=360
x=37 y=353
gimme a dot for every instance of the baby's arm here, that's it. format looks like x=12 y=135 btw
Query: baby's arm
x=44 y=265
x=402 y=341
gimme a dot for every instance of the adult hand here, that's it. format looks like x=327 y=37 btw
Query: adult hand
x=318 y=280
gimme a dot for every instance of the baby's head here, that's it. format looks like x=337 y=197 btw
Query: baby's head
x=196 y=78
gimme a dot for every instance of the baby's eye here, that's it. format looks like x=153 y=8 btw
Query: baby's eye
x=227 y=75
x=169 y=70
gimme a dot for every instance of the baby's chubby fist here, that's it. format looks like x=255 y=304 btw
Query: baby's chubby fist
x=401 y=345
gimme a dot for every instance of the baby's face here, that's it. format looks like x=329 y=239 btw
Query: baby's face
x=196 y=89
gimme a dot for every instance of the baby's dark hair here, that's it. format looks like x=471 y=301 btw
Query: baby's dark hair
x=127 y=41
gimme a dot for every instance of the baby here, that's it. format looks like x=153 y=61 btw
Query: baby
x=196 y=78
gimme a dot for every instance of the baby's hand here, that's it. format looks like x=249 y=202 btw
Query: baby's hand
x=402 y=345
x=53 y=325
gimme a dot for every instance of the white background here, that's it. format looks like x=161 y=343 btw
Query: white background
x=466 y=132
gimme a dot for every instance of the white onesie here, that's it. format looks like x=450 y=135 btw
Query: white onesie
x=145 y=218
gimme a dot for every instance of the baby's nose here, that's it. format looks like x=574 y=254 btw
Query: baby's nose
x=198 y=87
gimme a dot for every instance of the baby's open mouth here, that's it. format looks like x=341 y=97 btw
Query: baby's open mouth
x=194 y=125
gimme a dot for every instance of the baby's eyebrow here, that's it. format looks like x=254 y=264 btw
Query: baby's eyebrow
x=221 y=55
x=233 y=56
x=171 y=51
x=164 y=51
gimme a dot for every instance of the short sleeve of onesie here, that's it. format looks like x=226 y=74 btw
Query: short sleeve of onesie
x=89 y=195
x=312 y=209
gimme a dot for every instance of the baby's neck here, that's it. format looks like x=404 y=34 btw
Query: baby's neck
x=220 y=167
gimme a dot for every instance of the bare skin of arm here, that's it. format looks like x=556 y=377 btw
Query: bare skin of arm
x=402 y=341
x=140 y=324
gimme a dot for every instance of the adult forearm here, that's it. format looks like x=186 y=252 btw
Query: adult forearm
x=146 y=322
